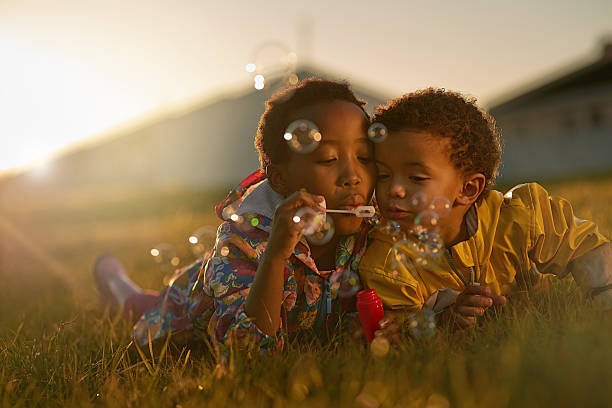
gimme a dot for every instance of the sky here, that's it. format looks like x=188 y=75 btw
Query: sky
x=72 y=69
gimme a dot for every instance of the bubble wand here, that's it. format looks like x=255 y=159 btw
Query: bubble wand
x=363 y=211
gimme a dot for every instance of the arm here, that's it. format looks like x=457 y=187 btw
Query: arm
x=562 y=243
x=593 y=272
x=263 y=304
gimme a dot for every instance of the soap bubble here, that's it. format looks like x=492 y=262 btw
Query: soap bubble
x=272 y=59
x=441 y=206
x=427 y=219
x=377 y=132
x=318 y=227
x=229 y=214
x=324 y=234
x=165 y=257
x=302 y=136
x=349 y=284
x=310 y=219
x=422 y=324
x=391 y=228
x=250 y=67
x=434 y=246
x=421 y=244
x=418 y=201
x=202 y=239
x=380 y=346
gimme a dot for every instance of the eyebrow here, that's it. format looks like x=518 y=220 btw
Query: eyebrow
x=418 y=164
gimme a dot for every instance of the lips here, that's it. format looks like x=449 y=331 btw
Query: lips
x=351 y=202
x=395 y=213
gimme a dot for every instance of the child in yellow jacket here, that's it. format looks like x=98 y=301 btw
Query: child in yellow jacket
x=441 y=146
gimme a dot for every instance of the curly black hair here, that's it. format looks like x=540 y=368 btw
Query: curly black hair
x=282 y=105
x=475 y=139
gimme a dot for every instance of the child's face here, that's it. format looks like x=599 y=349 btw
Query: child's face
x=342 y=168
x=412 y=162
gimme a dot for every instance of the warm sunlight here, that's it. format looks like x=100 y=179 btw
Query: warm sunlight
x=49 y=100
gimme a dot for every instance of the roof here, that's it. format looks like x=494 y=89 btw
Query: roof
x=595 y=73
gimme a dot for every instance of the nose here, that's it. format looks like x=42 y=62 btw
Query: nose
x=350 y=175
x=397 y=191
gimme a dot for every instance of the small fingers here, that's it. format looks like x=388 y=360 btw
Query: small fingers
x=469 y=311
x=499 y=300
x=476 y=301
x=477 y=290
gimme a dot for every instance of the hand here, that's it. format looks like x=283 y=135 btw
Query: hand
x=285 y=232
x=472 y=303
x=389 y=327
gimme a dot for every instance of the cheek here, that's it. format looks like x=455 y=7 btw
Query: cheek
x=381 y=193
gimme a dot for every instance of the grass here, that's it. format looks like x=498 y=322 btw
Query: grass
x=58 y=349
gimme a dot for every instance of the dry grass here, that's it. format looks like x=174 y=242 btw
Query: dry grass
x=58 y=349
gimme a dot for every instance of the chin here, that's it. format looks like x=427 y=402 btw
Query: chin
x=345 y=225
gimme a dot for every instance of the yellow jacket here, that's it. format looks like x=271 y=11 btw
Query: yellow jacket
x=515 y=239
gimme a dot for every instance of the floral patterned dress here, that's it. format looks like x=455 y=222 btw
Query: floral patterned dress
x=207 y=298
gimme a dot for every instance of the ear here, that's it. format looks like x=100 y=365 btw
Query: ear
x=276 y=175
x=473 y=186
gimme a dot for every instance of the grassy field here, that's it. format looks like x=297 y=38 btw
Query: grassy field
x=58 y=349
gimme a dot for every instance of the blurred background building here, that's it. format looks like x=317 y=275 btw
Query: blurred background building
x=557 y=128
x=561 y=127
x=209 y=145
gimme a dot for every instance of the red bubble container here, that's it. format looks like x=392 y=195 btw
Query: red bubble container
x=370 y=310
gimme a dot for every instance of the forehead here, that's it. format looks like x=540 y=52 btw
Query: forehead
x=332 y=117
x=413 y=146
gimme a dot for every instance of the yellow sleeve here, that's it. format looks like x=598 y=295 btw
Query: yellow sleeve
x=556 y=236
x=397 y=288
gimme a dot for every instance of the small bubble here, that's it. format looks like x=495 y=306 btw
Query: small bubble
x=254 y=221
x=422 y=324
x=427 y=219
x=234 y=217
x=304 y=136
x=165 y=257
x=259 y=86
x=380 y=346
x=311 y=219
x=224 y=251
x=250 y=67
x=292 y=58
x=441 y=206
x=258 y=78
x=324 y=234
x=202 y=239
x=377 y=132
x=418 y=201
x=349 y=284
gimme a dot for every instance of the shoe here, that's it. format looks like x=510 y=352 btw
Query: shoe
x=113 y=283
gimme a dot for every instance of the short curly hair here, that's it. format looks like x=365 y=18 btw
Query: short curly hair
x=475 y=139
x=269 y=141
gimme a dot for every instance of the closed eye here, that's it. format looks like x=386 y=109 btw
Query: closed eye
x=326 y=161
x=418 y=179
